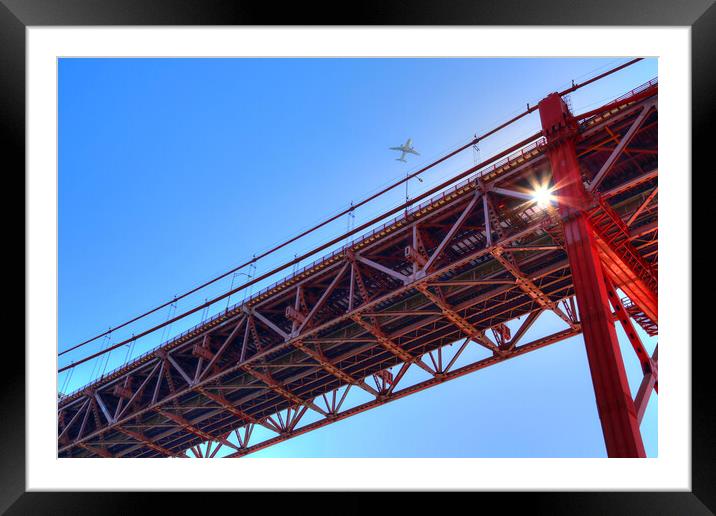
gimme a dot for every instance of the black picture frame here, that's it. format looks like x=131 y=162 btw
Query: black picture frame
x=16 y=15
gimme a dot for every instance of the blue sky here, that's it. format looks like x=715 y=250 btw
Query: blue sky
x=172 y=171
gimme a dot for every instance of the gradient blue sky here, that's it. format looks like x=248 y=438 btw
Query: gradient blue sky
x=174 y=170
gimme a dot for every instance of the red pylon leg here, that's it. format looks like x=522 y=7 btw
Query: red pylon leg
x=611 y=388
x=614 y=403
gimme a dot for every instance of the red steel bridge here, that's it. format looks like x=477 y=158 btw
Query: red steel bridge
x=448 y=273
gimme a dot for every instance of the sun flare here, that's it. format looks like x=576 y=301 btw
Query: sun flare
x=542 y=195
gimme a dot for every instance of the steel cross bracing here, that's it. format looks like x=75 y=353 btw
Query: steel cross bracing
x=445 y=276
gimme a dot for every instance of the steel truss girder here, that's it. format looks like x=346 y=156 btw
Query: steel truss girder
x=498 y=282
x=455 y=318
x=284 y=341
x=396 y=395
x=260 y=356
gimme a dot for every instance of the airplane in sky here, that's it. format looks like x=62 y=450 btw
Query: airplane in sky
x=405 y=149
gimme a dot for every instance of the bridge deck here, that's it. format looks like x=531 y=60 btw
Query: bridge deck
x=452 y=269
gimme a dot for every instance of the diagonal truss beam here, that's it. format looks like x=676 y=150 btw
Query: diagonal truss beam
x=293 y=416
x=104 y=408
x=179 y=368
x=459 y=321
x=227 y=405
x=532 y=290
x=323 y=298
x=269 y=324
x=642 y=206
x=186 y=425
x=382 y=268
x=222 y=348
x=73 y=419
x=649 y=382
x=138 y=436
x=611 y=160
x=330 y=367
x=280 y=389
x=101 y=452
x=526 y=325
x=230 y=407
x=632 y=335
x=389 y=345
x=451 y=233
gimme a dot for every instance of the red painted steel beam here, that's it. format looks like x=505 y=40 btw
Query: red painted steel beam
x=331 y=368
x=614 y=403
x=632 y=335
x=186 y=424
x=460 y=322
x=622 y=263
x=148 y=442
x=228 y=406
x=420 y=386
x=649 y=382
x=100 y=452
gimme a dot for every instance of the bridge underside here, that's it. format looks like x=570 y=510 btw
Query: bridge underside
x=450 y=272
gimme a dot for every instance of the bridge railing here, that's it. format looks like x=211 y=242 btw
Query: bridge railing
x=638 y=89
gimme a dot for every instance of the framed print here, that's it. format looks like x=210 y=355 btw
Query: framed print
x=416 y=249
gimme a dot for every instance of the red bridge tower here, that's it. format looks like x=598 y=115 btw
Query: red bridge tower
x=614 y=403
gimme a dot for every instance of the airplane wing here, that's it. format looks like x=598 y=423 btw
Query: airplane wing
x=413 y=151
x=396 y=148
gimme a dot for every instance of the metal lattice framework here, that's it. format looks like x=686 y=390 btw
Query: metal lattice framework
x=451 y=271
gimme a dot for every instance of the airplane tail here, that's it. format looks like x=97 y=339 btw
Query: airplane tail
x=401 y=159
